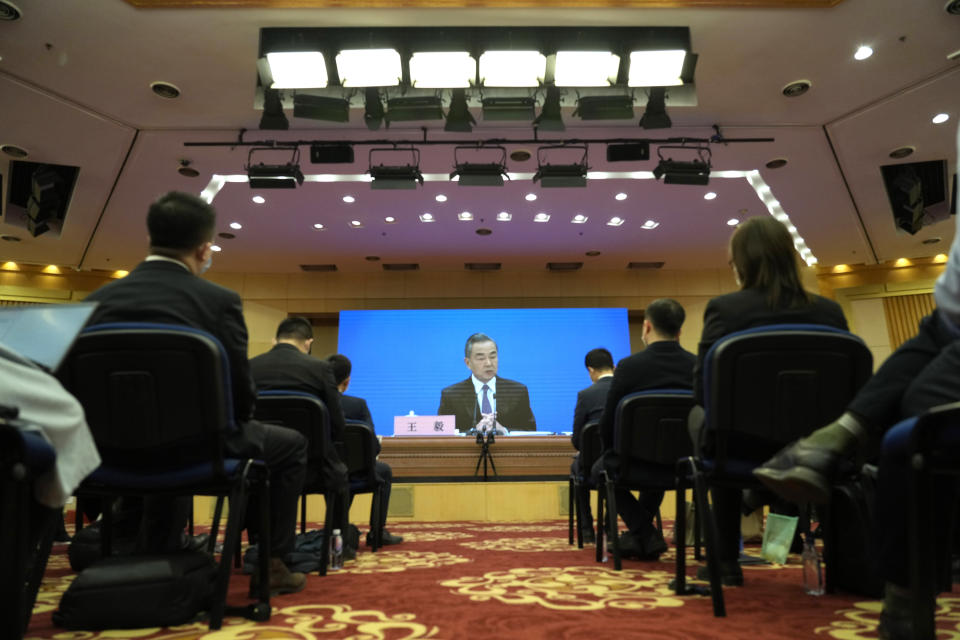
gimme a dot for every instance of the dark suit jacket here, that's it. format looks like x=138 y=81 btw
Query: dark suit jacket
x=513 y=405
x=167 y=293
x=749 y=308
x=355 y=408
x=590 y=403
x=662 y=365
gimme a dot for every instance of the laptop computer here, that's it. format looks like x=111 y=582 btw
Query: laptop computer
x=43 y=333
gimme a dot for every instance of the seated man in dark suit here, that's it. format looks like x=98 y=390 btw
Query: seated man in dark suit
x=485 y=394
x=289 y=367
x=590 y=403
x=355 y=408
x=166 y=288
x=663 y=364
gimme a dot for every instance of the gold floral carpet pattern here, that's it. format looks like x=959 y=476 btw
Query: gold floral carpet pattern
x=485 y=581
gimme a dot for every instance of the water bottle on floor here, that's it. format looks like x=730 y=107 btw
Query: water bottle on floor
x=812 y=569
x=336 y=550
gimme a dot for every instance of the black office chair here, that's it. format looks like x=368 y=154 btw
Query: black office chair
x=361 y=448
x=26 y=527
x=649 y=436
x=308 y=415
x=933 y=452
x=590 y=449
x=158 y=401
x=763 y=388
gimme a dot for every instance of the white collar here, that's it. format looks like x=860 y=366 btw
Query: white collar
x=478 y=386
x=153 y=257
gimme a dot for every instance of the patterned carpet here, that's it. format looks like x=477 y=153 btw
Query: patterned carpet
x=514 y=580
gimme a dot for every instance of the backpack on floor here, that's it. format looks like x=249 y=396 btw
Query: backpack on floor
x=850 y=548
x=131 y=592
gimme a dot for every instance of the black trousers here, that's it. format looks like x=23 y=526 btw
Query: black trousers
x=582 y=496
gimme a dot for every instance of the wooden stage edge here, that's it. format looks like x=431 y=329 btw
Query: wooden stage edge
x=454 y=458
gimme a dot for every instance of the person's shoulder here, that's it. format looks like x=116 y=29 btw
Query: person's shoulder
x=456 y=386
x=735 y=299
x=506 y=382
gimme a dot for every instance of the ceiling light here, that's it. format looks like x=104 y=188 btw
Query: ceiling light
x=621 y=196
x=650 y=224
x=318 y=226
x=297 y=70
x=615 y=221
x=426 y=217
x=258 y=199
x=356 y=224
x=369 y=67
x=696 y=171
x=940 y=257
x=518 y=108
x=586 y=68
x=571 y=174
x=709 y=195
x=541 y=217
x=655 y=113
x=236 y=225
x=459 y=117
x=863 y=52
x=121 y=273
x=9 y=265
x=349 y=199
x=732 y=222
x=406 y=109
x=604 y=108
x=465 y=216
x=551 y=115
x=940 y=118
x=273 y=117
x=480 y=174
x=216 y=248
x=274 y=176
x=901 y=262
x=51 y=268
x=389 y=219
x=402 y=176
x=530 y=197
x=512 y=68
x=656 y=68
x=440 y=197
x=504 y=216
x=442 y=70
x=579 y=219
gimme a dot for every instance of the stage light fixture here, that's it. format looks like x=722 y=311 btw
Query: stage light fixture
x=413 y=108
x=656 y=68
x=273 y=116
x=520 y=108
x=480 y=174
x=442 y=70
x=397 y=176
x=585 y=68
x=655 y=113
x=551 y=117
x=321 y=108
x=369 y=67
x=459 y=117
x=562 y=175
x=604 y=108
x=696 y=171
x=295 y=70
x=512 y=68
x=372 y=109
x=274 y=176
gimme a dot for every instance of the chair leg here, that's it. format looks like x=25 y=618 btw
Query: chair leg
x=680 y=537
x=705 y=515
x=190 y=518
x=77 y=516
x=215 y=525
x=375 y=531
x=106 y=528
x=571 y=487
x=40 y=553
x=614 y=539
x=303 y=513
x=923 y=554
x=329 y=513
x=601 y=526
x=659 y=522
x=231 y=541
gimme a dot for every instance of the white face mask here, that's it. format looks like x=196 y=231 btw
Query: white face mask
x=206 y=264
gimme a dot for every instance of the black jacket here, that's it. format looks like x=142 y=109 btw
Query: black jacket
x=513 y=405
x=590 y=404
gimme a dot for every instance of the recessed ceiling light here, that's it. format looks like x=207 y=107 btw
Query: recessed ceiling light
x=51 y=268
x=733 y=222
x=940 y=257
x=902 y=152
x=349 y=199
x=940 y=118
x=504 y=216
x=465 y=216
x=863 y=52
x=797 y=88
x=933 y=240
x=440 y=198
x=14 y=151
x=530 y=197
x=165 y=90
x=226 y=235
x=709 y=195
x=389 y=219
x=649 y=224
x=258 y=199
x=776 y=163
x=372 y=258
x=318 y=226
x=236 y=225
x=483 y=231
x=426 y=217
x=615 y=221
x=592 y=254
x=579 y=219
x=356 y=224
x=621 y=196
x=541 y=217
x=215 y=247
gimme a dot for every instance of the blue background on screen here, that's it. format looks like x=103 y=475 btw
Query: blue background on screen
x=402 y=359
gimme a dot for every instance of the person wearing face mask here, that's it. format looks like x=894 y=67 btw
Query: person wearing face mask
x=662 y=364
x=165 y=288
x=765 y=266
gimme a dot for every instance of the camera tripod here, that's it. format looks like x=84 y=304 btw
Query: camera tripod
x=485 y=455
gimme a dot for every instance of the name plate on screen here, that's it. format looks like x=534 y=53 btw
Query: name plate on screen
x=424 y=426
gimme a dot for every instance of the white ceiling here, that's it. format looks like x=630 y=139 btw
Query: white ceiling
x=75 y=89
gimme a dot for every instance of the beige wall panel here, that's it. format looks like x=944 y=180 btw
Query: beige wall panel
x=698 y=283
x=262 y=321
x=430 y=284
x=656 y=283
x=306 y=285
x=325 y=340
x=385 y=284
x=232 y=281
x=345 y=285
x=496 y=283
x=614 y=283
x=264 y=285
x=880 y=353
x=868 y=321
x=537 y=284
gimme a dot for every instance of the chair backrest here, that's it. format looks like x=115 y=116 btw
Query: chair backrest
x=935 y=437
x=651 y=426
x=590 y=446
x=302 y=412
x=360 y=449
x=767 y=386
x=153 y=394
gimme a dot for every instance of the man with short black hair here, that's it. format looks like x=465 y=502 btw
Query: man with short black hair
x=589 y=408
x=355 y=408
x=663 y=364
x=165 y=288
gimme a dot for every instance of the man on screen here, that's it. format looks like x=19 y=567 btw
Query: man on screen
x=484 y=396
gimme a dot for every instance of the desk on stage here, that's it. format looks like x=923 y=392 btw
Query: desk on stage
x=454 y=458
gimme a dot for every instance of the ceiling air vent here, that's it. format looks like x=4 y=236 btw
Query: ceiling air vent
x=645 y=265
x=318 y=267
x=401 y=266
x=481 y=266
x=564 y=266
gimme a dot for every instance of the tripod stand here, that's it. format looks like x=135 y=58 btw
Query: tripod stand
x=485 y=454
